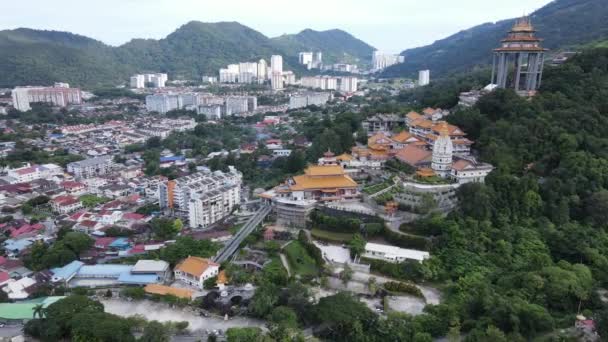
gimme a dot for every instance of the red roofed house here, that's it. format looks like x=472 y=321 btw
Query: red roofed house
x=65 y=204
x=73 y=188
x=104 y=242
x=4 y=278
x=25 y=229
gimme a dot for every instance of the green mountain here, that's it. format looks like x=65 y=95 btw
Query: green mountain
x=336 y=45
x=562 y=24
x=43 y=57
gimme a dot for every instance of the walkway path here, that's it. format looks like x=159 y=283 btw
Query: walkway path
x=285 y=263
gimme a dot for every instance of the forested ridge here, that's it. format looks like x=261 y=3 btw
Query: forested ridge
x=42 y=57
x=563 y=24
x=527 y=249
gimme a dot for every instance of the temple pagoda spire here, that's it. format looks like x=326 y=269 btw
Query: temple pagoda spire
x=522 y=52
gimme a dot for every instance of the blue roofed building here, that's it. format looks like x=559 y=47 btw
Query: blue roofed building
x=14 y=247
x=129 y=278
x=120 y=244
x=172 y=159
x=76 y=274
x=66 y=273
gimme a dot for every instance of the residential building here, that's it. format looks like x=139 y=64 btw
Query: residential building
x=31 y=173
x=276 y=64
x=320 y=82
x=383 y=60
x=277 y=81
x=289 y=78
x=157 y=80
x=57 y=96
x=91 y=167
x=304 y=100
x=424 y=77
x=138 y=82
x=66 y=204
x=262 y=71
x=162 y=103
x=383 y=123
x=209 y=79
x=240 y=104
x=228 y=76
x=203 y=197
x=393 y=254
x=212 y=112
x=305 y=58
x=348 y=84
x=193 y=271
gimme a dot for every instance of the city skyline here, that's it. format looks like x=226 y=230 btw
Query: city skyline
x=384 y=24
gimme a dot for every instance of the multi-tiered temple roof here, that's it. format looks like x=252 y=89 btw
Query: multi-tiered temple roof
x=522 y=37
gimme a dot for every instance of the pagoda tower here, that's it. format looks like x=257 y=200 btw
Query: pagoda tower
x=521 y=52
x=443 y=149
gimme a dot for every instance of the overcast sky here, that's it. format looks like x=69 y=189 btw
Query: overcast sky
x=389 y=25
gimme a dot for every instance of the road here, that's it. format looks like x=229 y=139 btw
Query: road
x=247 y=229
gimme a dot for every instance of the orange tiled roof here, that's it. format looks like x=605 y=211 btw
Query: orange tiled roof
x=414 y=116
x=423 y=123
x=376 y=137
x=326 y=170
x=403 y=136
x=345 y=157
x=168 y=290
x=305 y=182
x=413 y=155
x=429 y=111
x=195 y=265
x=461 y=165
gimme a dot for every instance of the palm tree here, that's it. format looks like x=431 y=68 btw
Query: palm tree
x=39 y=311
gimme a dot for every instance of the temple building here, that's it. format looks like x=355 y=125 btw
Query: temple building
x=294 y=199
x=522 y=52
x=443 y=151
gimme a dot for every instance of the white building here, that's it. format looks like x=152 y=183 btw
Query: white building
x=383 y=60
x=276 y=64
x=281 y=153
x=308 y=99
x=248 y=72
x=163 y=103
x=138 y=82
x=393 y=254
x=209 y=79
x=240 y=104
x=424 y=77
x=469 y=171
x=443 y=151
x=228 y=76
x=203 y=197
x=349 y=84
x=276 y=81
x=211 y=112
x=193 y=271
x=57 y=96
x=31 y=173
x=262 y=71
x=91 y=167
x=306 y=58
x=159 y=80
x=320 y=82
